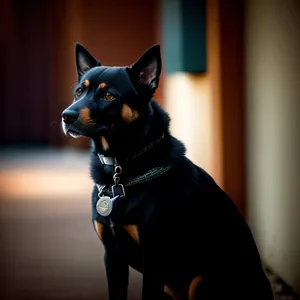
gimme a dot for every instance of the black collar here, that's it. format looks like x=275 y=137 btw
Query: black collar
x=112 y=161
x=151 y=174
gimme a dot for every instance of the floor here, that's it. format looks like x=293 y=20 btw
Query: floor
x=48 y=249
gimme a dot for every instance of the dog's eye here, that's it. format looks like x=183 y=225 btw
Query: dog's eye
x=78 y=92
x=108 y=96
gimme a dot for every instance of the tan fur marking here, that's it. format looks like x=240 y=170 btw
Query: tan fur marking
x=128 y=114
x=133 y=232
x=193 y=286
x=171 y=292
x=86 y=83
x=99 y=229
x=102 y=85
x=104 y=143
x=85 y=115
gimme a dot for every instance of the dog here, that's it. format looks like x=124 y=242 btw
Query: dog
x=153 y=208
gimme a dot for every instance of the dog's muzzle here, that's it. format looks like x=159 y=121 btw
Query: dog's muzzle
x=68 y=118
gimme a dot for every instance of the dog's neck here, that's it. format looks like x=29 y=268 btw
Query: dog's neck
x=134 y=139
x=165 y=152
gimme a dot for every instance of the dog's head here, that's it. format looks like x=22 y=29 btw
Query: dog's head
x=109 y=98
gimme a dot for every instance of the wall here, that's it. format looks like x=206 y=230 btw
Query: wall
x=273 y=139
x=38 y=58
x=188 y=102
x=113 y=34
x=207 y=109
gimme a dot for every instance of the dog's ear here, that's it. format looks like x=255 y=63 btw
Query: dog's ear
x=84 y=60
x=146 y=71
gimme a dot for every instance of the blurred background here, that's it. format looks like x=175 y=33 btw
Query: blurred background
x=230 y=83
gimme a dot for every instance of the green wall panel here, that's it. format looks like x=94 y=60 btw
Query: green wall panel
x=184 y=38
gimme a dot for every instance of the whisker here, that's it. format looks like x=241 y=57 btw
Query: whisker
x=52 y=124
x=73 y=84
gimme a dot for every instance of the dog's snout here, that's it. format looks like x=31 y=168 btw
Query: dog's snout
x=70 y=116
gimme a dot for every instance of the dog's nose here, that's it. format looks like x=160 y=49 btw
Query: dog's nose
x=69 y=116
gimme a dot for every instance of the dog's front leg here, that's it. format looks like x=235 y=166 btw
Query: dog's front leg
x=117 y=269
x=117 y=272
x=153 y=269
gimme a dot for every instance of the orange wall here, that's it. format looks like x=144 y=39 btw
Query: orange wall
x=225 y=25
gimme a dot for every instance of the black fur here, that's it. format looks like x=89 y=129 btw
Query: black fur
x=187 y=224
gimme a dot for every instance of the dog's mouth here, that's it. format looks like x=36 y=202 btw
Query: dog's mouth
x=74 y=134
x=87 y=131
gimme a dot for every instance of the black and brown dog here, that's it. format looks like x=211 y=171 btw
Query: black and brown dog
x=153 y=209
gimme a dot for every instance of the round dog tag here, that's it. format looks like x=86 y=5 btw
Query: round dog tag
x=104 y=206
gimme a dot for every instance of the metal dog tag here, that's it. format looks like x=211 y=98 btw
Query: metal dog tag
x=104 y=206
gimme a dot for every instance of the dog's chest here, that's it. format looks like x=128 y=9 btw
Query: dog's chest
x=124 y=234
x=125 y=238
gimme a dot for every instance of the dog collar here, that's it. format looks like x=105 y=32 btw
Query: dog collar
x=107 y=160
x=111 y=161
x=151 y=174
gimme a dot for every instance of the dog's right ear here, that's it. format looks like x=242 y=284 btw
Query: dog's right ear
x=84 y=60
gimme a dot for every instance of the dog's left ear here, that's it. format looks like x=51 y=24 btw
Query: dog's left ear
x=84 y=60
x=146 y=71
